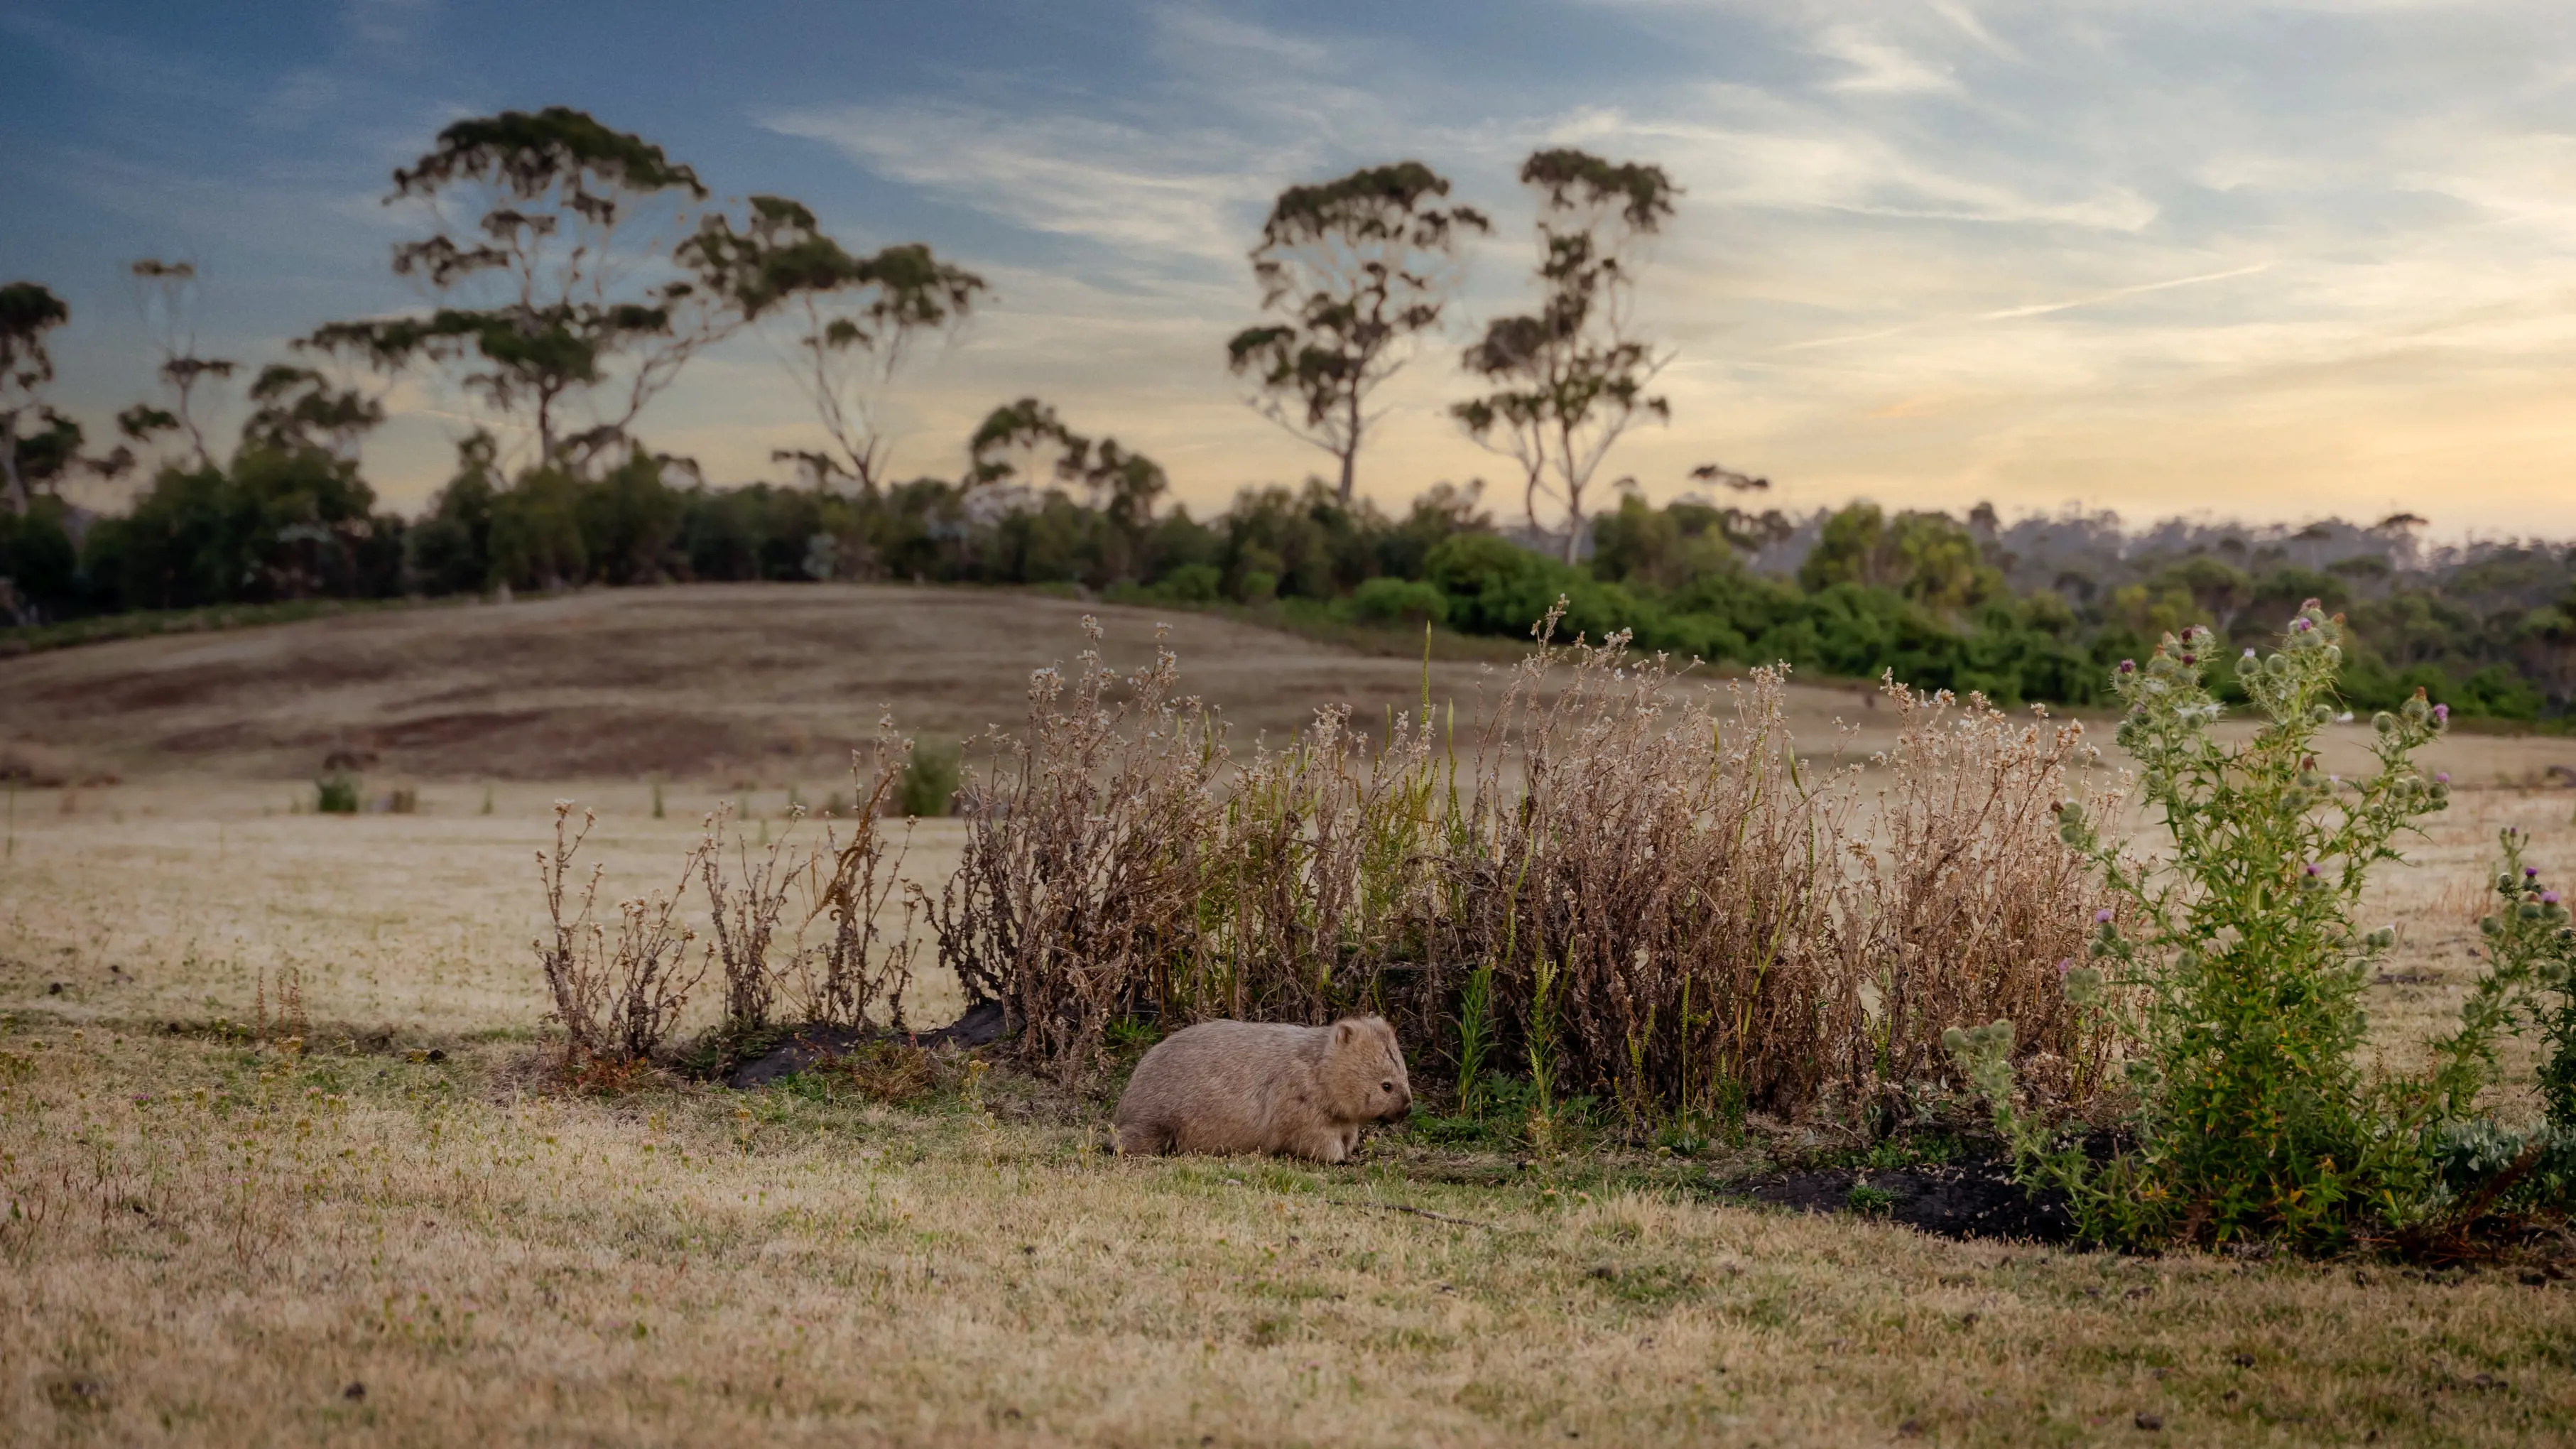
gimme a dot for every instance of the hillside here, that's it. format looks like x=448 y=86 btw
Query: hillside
x=680 y=681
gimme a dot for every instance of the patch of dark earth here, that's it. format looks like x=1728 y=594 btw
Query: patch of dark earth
x=1973 y=1199
x=806 y=1046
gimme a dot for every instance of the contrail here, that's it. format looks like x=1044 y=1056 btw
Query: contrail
x=2036 y=309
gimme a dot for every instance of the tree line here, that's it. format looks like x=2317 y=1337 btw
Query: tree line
x=573 y=272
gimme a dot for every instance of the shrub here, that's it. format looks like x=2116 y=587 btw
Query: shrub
x=1075 y=899
x=641 y=980
x=1646 y=883
x=1317 y=876
x=336 y=793
x=1195 y=583
x=744 y=913
x=1398 y=601
x=856 y=976
x=1969 y=907
x=2529 y=937
x=929 y=780
x=2253 y=1116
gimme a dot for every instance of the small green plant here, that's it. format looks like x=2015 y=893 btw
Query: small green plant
x=1475 y=1038
x=2241 y=952
x=657 y=800
x=487 y=800
x=1869 y=1202
x=930 y=780
x=336 y=793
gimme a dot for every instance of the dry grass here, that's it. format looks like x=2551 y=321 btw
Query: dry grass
x=718 y=683
x=1967 y=908
x=497 y=1263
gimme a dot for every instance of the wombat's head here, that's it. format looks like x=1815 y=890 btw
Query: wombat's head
x=1364 y=1071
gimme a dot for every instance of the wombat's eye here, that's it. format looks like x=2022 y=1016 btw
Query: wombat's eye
x=1386 y=1086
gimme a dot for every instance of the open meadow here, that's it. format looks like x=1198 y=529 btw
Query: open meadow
x=284 y=1158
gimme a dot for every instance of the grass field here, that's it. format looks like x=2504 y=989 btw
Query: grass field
x=401 y=1230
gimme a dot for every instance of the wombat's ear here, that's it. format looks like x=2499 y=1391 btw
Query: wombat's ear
x=1344 y=1033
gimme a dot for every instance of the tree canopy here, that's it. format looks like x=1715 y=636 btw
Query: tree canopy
x=1354 y=267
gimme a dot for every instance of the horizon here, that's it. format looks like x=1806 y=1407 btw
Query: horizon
x=2264 y=266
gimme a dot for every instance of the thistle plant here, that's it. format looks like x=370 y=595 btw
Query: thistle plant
x=2253 y=1117
x=2531 y=943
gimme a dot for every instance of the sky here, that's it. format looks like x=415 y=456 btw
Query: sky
x=2249 y=260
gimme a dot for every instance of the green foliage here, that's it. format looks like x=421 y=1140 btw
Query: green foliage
x=2240 y=951
x=28 y=310
x=1356 y=267
x=336 y=794
x=1398 y=601
x=1567 y=380
x=2529 y=939
x=930 y=779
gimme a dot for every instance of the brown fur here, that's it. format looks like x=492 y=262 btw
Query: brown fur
x=1246 y=1086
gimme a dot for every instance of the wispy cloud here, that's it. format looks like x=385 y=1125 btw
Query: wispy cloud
x=1874 y=65
x=1101 y=181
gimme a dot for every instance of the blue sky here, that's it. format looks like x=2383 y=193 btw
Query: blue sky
x=2258 y=259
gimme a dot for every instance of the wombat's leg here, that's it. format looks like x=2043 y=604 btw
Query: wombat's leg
x=1322 y=1143
x=1143 y=1139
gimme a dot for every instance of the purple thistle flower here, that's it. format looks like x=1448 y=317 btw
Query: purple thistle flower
x=2128 y=666
x=2549 y=898
x=2441 y=777
x=2064 y=965
x=2102 y=917
x=2315 y=869
x=2531 y=872
x=2442 y=714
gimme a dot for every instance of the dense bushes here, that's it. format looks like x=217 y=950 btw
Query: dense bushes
x=1938 y=602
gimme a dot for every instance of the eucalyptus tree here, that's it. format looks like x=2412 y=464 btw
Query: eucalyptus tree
x=1566 y=381
x=555 y=261
x=1028 y=444
x=28 y=310
x=1354 y=268
x=166 y=294
x=852 y=320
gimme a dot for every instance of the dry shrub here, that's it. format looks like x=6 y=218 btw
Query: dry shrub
x=859 y=971
x=1967 y=907
x=743 y=915
x=1644 y=880
x=1075 y=899
x=641 y=979
x=894 y=1072
x=1319 y=875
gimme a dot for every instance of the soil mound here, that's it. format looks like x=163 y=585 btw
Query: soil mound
x=1975 y=1199
x=806 y=1046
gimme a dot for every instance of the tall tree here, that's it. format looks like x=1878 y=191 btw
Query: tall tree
x=166 y=294
x=854 y=319
x=1356 y=267
x=296 y=409
x=556 y=263
x=1026 y=443
x=1568 y=380
x=28 y=310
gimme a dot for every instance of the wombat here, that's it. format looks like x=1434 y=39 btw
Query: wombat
x=1248 y=1086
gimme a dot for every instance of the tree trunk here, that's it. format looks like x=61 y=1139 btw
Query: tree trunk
x=1351 y=450
x=15 y=496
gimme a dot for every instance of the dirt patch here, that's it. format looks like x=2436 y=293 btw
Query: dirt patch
x=1976 y=1199
x=626 y=682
